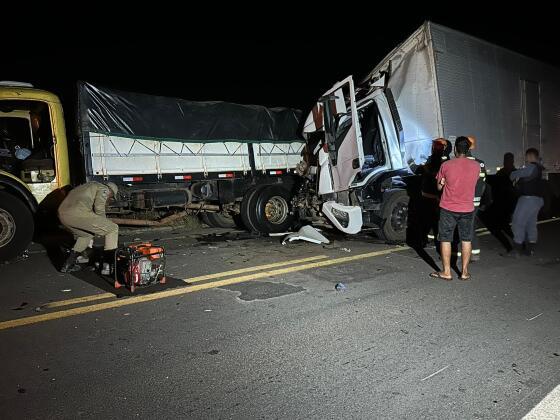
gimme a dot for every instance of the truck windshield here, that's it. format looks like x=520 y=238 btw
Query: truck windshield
x=372 y=138
x=26 y=140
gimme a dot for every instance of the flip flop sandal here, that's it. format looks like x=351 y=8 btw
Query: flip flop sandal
x=465 y=278
x=437 y=275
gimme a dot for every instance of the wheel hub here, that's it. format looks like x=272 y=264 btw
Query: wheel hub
x=7 y=228
x=276 y=210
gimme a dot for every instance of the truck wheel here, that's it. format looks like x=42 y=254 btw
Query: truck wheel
x=218 y=220
x=16 y=226
x=395 y=218
x=246 y=205
x=271 y=209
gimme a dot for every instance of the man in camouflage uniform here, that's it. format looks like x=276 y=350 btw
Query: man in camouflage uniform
x=83 y=213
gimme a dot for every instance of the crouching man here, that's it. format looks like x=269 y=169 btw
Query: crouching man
x=457 y=179
x=83 y=213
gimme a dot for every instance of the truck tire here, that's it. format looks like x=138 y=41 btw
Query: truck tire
x=246 y=205
x=270 y=209
x=16 y=226
x=395 y=218
x=218 y=220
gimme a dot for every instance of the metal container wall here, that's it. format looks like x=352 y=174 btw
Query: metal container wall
x=507 y=101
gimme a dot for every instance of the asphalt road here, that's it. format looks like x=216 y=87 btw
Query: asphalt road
x=265 y=334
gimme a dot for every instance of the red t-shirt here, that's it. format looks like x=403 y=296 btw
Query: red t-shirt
x=461 y=175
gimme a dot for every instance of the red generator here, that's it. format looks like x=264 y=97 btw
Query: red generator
x=138 y=265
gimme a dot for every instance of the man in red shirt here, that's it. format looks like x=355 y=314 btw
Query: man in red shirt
x=457 y=179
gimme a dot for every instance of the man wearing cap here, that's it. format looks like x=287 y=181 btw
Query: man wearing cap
x=83 y=213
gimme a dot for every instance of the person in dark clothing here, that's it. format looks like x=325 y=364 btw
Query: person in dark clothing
x=505 y=196
x=529 y=185
x=429 y=203
x=509 y=165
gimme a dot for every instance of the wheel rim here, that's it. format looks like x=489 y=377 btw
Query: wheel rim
x=276 y=210
x=399 y=217
x=7 y=228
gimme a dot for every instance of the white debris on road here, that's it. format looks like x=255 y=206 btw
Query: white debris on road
x=306 y=233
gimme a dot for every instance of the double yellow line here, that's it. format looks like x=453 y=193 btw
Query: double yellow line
x=287 y=267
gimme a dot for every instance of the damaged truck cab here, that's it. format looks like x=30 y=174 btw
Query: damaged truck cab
x=358 y=159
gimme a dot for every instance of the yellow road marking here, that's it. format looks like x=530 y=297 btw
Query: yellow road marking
x=102 y=296
x=255 y=268
x=82 y=299
x=554 y=219
x=184 y=290
x=485 y=231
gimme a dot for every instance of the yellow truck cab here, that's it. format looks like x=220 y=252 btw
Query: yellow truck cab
x=33 y=160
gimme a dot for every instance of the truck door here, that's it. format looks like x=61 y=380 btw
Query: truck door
x=336 y=115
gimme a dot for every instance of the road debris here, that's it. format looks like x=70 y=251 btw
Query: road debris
x=339 y=287
x=306 y=233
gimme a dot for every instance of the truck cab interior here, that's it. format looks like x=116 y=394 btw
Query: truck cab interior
x=371 y=129
x=26 y=141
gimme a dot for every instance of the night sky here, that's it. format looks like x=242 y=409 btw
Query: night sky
x=272 y=70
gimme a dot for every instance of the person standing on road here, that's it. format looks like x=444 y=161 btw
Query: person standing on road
x=505 y=196
x=509 y=165
x=457 y=180
x=529 y=184
x=83 y=213
x=430 y=195
x=482 y=198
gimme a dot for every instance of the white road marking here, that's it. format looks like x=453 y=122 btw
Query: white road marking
x=535 y=317
x=435 y=373
x=548 y=408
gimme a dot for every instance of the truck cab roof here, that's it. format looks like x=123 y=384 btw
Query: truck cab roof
x=25 y=91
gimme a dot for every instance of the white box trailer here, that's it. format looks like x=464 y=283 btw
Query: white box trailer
x=447 y=84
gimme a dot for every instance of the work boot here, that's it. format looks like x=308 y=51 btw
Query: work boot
x=70 y=264
x=516 y=251
x=108 y=262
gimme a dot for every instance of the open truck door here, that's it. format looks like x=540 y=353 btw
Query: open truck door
x=340 y=155
x=335 y=113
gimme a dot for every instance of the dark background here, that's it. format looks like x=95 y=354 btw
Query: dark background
x=290 y=64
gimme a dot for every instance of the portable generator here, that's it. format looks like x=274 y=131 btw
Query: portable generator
x=138 y=265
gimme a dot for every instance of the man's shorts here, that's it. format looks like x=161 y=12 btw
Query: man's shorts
x=448 y=220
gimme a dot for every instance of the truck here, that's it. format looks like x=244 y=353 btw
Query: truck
x=167 y=155
x=438 y=83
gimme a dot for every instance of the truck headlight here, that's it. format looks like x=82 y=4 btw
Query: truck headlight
x=341 y=216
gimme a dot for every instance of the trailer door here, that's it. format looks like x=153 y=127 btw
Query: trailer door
x=336 y=115
x=531 y=114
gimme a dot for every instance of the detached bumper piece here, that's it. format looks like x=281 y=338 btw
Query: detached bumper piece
x=139 y=265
